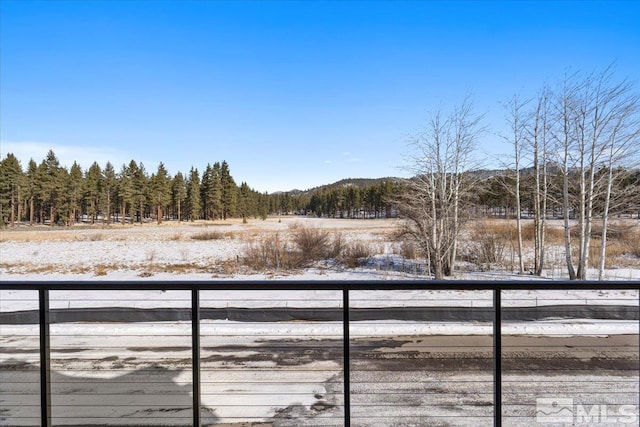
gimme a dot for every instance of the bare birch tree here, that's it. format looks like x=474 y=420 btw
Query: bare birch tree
x=517 y=125
x=539 y=144
x=621 y=139
x=608 y=128
x=598 y=119
x=564 y=136
x=434 y=196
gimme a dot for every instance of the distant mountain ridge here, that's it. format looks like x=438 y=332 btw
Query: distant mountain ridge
x=346 y=182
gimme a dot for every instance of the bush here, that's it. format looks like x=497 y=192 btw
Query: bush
x=409 y=249
x=312 y=243
x=489 y=241
x=338 y=245
x=271 y=252
x=355 y=254
x=100 y=270
x=209 y=235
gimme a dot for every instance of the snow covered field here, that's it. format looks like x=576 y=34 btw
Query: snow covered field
x=289 y=373
x=171 y=251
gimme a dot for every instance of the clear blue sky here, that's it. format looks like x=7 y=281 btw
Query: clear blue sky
x=291 y=95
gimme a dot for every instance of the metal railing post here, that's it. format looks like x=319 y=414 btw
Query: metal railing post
x=45 y=359
x=346 y=358
x=195 y=348
x=497 y=359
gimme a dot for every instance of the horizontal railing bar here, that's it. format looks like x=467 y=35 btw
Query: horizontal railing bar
x=315 y=285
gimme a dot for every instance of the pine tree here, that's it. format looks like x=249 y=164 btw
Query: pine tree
x=32 y=188
x=205 y=191
x=229 y=192
x=160 y=186
x=245 y=204
x=108 y=190
x=179 y=193
x=141 y=189
x=74 y=192
x=93 y=179
x=51 y=184
x=193 y=195
x=11 y=188
x=125 y=190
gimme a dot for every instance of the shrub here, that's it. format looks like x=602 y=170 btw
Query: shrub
x=209 y=235
x=100 y=270
x=98 y=237
x=409 y=249
x=270 y=252
x=312 y=243
x=356 y=253
x=489 y=241
x=338 y=245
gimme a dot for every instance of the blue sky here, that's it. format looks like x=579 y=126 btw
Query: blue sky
x=290 y=94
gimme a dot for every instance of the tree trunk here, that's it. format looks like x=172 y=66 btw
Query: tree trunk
x=31 y=210
x=567 y=229
x=13 y=210
x=542 y=232
x=108 y=210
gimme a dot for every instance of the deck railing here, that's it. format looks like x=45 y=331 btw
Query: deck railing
x=496 y=314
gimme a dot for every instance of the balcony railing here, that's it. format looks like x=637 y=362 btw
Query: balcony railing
x=384 y=351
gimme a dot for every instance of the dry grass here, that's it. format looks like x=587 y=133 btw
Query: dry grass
x=489 y=239
x=338 y=245
x=313 y=244
x=210 y=235
x=292 y=243
x=356 y=253
x=100 y=270
x=553 y=235
x=271 y=252
x=303 y=247
x=409 y=250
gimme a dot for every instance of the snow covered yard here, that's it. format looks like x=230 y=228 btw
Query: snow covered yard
x=289 y=373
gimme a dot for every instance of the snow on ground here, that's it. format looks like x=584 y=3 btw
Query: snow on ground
x=171 y=252
x=287 y=370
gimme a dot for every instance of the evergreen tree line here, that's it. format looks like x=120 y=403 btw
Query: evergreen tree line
x=347 y=199
x=48 y=193
x=494 y=196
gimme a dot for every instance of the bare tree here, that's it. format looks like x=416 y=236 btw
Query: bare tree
x=433 y=198
x=564 y=135
x=620 y=140
x=598 y=126
x=517 y=124
x=539 y=144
